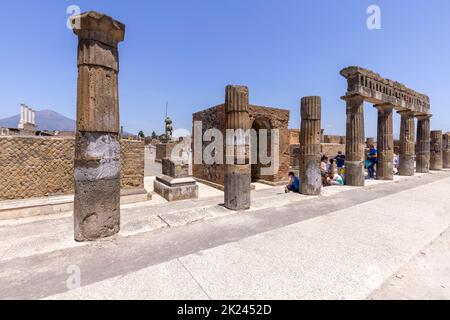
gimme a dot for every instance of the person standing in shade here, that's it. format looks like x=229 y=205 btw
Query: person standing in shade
x=340 y=161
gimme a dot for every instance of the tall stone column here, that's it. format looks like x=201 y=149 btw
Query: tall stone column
x=423 y=144
x=355 y=144
x=237 y=174
x=310 y=140
x=407 y=144
x=97 y=149
x=385 y=142
x=446 y=151
x=436 y=151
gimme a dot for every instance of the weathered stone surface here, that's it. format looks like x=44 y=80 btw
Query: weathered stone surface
x=407 y=144
x=446 y=151
x=436 y=161
x=310 y=144
x=378 y=90
x=176 y=189
x=355 y=145
x=237 y=175
x=237 y=187
x=175 y=169
x=164 y=150
x=96 y=209
x=423 y=144
x=385 y=143
x=97 y=149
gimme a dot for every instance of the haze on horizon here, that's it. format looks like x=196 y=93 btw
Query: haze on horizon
x=186 y=52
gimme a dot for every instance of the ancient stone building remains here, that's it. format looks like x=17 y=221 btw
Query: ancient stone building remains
x=446 y=151
x=386 y=95
x=27 y=118
x=260 y=118
x=33 y=167
x=310 y=141
x=97 y=149
x=436 y=153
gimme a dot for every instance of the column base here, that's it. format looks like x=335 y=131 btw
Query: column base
x=237 y=187
x=311 y=179
x=385 y=171
x=423 y=164
x=354 y=173
x=406 y=167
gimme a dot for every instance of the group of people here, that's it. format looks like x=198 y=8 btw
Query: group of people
x=332 y=172
x=372 y=161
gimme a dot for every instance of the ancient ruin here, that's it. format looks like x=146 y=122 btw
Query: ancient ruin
x=260 y=117
x=436 y=151
x=386 y=95
x=175 y=183
x=310 y=142
x=446 y=151
x=97 y=148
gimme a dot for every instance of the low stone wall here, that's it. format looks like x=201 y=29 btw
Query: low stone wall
x=43 y=166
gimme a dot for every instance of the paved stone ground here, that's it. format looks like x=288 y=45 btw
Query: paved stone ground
x=350 y=243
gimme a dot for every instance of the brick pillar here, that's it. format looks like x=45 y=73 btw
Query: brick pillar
x=310 y=139
x=237 y=175
x=423 y=144
x=355 y=144
x=407 y=145
x=385 y=142
x=97 y=148
x=436 y=151
x=446 y=151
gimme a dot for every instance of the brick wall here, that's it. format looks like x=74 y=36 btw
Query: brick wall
x=42 y=166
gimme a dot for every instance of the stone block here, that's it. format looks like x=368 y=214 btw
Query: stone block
x=175 y=169
x=175 y=189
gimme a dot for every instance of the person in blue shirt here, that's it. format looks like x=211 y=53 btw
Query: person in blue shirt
x=294 y=183
x=373 y=157
x=340 y=161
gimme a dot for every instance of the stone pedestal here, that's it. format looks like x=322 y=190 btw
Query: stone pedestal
x=355 y=144
x=164 y=150
x=237 y=174
x=436 y=154
x=385 y=143
x=423 y=144
x=310 y=145
x=97 y=148
x=407 y=144
x=175 y=184
x=446 y=151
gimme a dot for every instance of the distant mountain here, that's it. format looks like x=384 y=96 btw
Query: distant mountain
x=45 y=120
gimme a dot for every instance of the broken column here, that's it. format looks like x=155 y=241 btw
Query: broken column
x=407 y=144
x=175 y=183
x=423 y=144
x=385 y=142
x=446 y=151
x=355 y=144
x=310 y=143
x=436 y=151
x=97 y=148
x=237 y=169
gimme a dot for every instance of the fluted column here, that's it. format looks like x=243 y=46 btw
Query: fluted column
x=407 y=144
x=97 y=148
x=436 y=151
x=310 y=140
x=446 y=151
x=237 y=173
x=355 y=144
x=423 y=144
x=385 y=142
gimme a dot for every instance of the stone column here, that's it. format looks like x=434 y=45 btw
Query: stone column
x=436 y=151
x=310 y=140
x=423 y=144
x=355 y=144
x=237 y=175
x=446 y=151
x=407 y=144
x=97 y=148
x=385 y=142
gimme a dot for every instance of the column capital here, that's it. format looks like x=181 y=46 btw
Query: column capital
x=422 y=116
x=384 y=106
x=406 y=113
x=354 y=97
x=98 y=27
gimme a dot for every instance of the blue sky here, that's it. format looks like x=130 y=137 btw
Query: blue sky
x=186 y=51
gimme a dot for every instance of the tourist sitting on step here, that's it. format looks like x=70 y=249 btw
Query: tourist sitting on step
x=324 y=170
x=294 y=183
